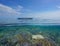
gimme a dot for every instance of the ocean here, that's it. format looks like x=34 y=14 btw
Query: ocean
x=31 y=28
x=51 y=31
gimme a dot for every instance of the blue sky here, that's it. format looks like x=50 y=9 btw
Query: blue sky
x=47 y=11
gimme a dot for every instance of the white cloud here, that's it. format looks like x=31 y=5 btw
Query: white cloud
x=9 y=10
x=8 y=14
x=48 y=17
x=19 y=8
x=58 y=7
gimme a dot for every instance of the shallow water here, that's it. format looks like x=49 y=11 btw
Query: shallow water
x=53 y=32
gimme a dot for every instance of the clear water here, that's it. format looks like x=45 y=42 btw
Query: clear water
x=52 y=31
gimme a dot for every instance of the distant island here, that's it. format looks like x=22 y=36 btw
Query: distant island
x=24 y=18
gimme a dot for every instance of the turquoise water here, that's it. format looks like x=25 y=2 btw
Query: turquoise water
x=53 y=31
x=31 y=28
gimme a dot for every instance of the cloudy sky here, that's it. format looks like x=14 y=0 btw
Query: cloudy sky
x=46 y=11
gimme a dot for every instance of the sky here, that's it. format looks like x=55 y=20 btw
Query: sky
x=44 y=11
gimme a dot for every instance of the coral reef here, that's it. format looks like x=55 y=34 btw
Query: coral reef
x=25 y=39
x=28 y=36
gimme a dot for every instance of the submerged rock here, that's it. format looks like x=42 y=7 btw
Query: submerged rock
x=37 y=37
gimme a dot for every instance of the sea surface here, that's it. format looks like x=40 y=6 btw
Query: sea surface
x=31 y=28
